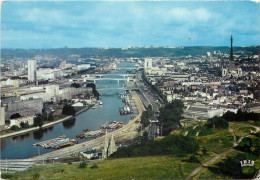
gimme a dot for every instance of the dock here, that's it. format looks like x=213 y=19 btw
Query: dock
x=56 y=143
x=94 y=134
x=112 y=125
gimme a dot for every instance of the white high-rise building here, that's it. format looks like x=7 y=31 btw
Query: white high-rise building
x=2 y=115
x=148 y=63
x=32 y=70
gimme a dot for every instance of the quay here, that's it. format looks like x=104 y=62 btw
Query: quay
x=25 y=131
x=98 y=142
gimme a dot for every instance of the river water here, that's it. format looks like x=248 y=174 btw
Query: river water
x=20 y=147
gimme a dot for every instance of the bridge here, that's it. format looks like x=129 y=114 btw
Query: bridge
x=124 y=75
x=120 y=88
x=109 y=79
x=122 y=68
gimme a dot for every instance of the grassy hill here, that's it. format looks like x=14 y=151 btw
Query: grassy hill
x=155 y=167
x=212 y=142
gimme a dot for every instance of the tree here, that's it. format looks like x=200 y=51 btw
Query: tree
x=22 y=124
x=75 y=85
x=217 y=122
x=145 y=119
x=170 y=116
x=50 y=117
x=231 y=167
x=68 y=110
x=15 y=128
x=38 y=121
x=95 y=92
x=150 y=110
x=15 y=116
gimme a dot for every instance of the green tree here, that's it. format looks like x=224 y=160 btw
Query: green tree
x=22 y=124
x=75 y=85
x=26 y=124
x=150 y=110
x=15 y=128
x=50 y=117
x=231 y=167
x=170 y=116
x=68 y=110
x=95 y=92
x=15 y=116
x=38 y=121
x=217 y=122
x=145 y=119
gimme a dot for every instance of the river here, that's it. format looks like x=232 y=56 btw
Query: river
x=21 y=146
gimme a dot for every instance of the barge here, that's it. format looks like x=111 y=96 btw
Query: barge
x=57 y=143
x=112 y=125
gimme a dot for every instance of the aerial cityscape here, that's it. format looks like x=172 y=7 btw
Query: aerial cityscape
x=130 y=90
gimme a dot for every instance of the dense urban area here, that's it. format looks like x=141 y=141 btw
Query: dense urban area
x=193 y=110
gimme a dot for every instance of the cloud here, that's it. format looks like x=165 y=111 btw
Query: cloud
x=117 y=24
x=185 y=14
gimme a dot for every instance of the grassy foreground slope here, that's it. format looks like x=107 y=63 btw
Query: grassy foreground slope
x=211 y=143
x=151 y=167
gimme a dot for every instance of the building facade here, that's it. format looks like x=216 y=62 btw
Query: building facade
x=32 y=70
x=29 y=107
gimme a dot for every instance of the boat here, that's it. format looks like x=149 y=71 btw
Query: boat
x=100 y=103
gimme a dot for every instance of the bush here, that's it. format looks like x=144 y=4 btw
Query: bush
x=15 y=116
x=6 y=175
x=75 y=85
x=176 y=145
x=38 y=121
x=217 y=122
x=193 y=159
x=15 y=128
x=204 y=151
x=205 y=132
x=241 y=116
x=36 y=176
x=94 y=166
x=250 y=145
x=231 y=167
x=83 y=164
x=170 y=116
x=68 y=110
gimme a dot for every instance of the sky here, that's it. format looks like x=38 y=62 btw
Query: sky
x=77 y=24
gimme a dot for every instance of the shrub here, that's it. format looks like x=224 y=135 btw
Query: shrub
x=204 y=151
x=36 y=176
x=83 y=164
x=176 y=145
x=15 y=128
x=193 y=159
x=94 y=166
x=6 y=175
x=68 y=110
x=231 y=167
x=205 y=132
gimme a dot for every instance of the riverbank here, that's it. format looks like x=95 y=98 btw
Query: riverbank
x=119 y=136
x=25 y=131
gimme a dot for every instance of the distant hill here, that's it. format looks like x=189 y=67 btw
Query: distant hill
x=118 y=52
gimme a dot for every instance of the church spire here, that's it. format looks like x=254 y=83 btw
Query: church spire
x=231 y=49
